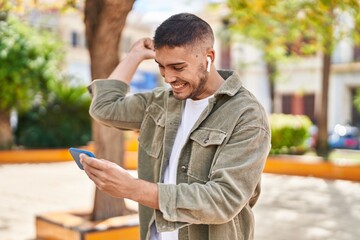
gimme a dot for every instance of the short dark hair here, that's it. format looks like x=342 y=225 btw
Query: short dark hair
x=181 y=30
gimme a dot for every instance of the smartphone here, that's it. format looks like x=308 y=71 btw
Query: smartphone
x=75 y=153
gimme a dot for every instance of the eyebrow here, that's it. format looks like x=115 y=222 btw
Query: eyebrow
x=171 y=64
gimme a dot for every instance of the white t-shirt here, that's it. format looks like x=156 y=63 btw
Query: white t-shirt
x=192 y=112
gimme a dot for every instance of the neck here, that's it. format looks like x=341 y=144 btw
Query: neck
x=215 y=80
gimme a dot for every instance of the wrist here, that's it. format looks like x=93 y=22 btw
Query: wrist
x=145 y=193
x=134 y=57
x=126 y=68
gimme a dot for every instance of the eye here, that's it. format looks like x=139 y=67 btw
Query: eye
x=178 y=69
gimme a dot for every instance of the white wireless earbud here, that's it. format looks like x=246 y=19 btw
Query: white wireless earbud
x=208 y=64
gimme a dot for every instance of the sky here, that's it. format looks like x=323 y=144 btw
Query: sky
x=167 y=6
x=153 y=12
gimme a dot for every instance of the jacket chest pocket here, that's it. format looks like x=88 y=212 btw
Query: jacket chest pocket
x=152 y=130
x=205 y=143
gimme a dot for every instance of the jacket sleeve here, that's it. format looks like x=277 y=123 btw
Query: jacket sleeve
x=112 y=106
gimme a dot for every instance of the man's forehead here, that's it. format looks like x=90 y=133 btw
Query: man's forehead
x=177 y=49
x=165 y=55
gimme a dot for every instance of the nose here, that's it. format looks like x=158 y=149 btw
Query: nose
x=170 y=79
x=168 y=76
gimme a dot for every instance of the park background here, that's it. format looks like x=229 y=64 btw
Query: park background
x=305 y=73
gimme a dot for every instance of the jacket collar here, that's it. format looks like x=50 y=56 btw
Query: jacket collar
x=232 y=83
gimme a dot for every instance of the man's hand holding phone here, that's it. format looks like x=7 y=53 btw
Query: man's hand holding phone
x=115 y=180
x=109 y=177
x=75 y=153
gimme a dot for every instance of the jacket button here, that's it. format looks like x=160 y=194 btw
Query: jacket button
x=183 y=168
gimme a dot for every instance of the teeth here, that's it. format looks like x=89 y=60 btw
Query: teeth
x=177 y=86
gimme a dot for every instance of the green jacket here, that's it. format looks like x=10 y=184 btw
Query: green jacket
x=220 y=165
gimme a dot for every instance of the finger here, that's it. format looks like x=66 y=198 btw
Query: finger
x=90 y=161
x=149 y=44
x=93 y=173
x=93 y=177
x=98 y=179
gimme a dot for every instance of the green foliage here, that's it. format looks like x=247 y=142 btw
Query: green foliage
x=330 y=21
x=357 y=100
x=4 y=8
x=276 y=25
x=269 y=25
x=30 y=59
x=289 y=133
x=61 y=120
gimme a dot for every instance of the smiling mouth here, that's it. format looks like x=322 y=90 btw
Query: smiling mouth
x=178 y=86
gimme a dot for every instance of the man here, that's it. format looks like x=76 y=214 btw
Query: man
x=202 y=143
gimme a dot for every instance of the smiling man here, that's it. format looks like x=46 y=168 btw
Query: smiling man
x=203 y=141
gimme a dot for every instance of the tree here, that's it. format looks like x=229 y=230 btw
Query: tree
x=270 y=24
x=29 y=59
x=311 y=25
x=104 y=22
x=326 y=21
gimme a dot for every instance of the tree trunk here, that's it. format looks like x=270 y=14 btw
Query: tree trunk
x=6 y=136
x=104 y=22
x=271 y=70
x=322 y=109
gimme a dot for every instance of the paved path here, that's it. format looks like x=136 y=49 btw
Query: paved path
x=290 y=207
x=299 y=208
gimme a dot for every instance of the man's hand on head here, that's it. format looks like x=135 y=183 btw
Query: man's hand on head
x=141 y=50
x=144 y=47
